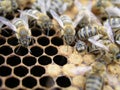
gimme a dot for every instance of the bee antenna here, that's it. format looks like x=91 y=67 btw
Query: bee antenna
x=48 y=30
x=18 y=48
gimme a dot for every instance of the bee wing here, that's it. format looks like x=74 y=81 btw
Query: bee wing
x=42 y=6
x=8 y=23
x=27 y=13
x=81 y=70
x=48 y=4
x=78 y=18
x=93 y=18
x=94 y=42
x=56 y=17
x=24 y=17
x=63 y=8
x=113 y=11
x=78 y=4
x=109 y=31
x=113 y=80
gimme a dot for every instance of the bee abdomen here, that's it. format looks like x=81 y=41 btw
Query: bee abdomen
x=94 y=83
x=66 y=19
x=87 y=32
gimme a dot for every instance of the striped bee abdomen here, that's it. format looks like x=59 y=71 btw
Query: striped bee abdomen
x=94 y=82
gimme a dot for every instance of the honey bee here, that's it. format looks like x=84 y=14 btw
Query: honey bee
x=85 y=17
x=113 y=52
x=68 y=29
x=60 y=6
x=99 y=9
x=21 y=28
x=114 y=21
x=80 y=46
x=96 y=77
x=42 y=19
x=7 y=6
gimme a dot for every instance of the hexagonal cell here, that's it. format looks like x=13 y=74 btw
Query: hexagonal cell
x=32 y=42
x=57 y=41
x=36 y=31
x=29 y=82
x=20 y=71
x=13 y=60
x=29 y=60
x=5 y=50
x=19 y=50
x=2 y=40
x=44 y=60
x=2 y=59
x=63 y=81
x=12 y=82
x=51 y=50
x=7 y=32
x=37 y=71
x=50 y=33
x=43 y=41
x=60 y=60
x=36 y=51
x=47 y=81
x=12 y=41
x=5 y=70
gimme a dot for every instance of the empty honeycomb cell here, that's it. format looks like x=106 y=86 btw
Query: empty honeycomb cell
x=63 y=81
x=51 y=32
x=37 y=70
x=12 y=82
x=57 y=41
x=5 y=71
x=5 y=50
x=29 y=60
x=0 y=82
x=2 y=40
x=60 y=60
x=13 y=60
x=7 y=32
x=29 y=82
x=43 y=41
x=36 y=32
x=36 y=51
x=32 y=41
x=2 y=59
x=21 y=50
x=47 y=81
x=20 y=71
x=13 y=41
x=9 y=16
x=44 y=60
x=51 y=50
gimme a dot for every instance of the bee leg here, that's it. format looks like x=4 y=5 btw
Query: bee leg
x=102 y=53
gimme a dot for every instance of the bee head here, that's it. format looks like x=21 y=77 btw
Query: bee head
x=69 y=39
x=25 y=41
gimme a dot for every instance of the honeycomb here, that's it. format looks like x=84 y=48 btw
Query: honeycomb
x=45 y=65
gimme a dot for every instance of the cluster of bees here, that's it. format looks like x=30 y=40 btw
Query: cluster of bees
x=95 y=29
